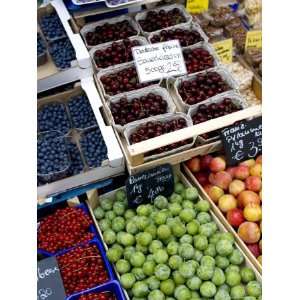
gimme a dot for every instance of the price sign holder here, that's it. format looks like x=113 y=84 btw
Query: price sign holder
x=49 y=281
x=254 y=39
x=145 y=186
x=196 y=6
x=159 y=60
x=224 y=50
x=242 y=141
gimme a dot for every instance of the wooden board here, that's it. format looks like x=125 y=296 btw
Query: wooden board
x=222 y=219
x=93 y=202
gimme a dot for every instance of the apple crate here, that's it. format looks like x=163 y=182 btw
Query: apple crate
x=49 y=75
x=222 y=219
x=93 y=200
x=112 y=166
x=142 y=15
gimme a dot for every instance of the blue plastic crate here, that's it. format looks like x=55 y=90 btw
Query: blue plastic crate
x=113 y=287
x=111 y=274
x=73 y=7
x=91 y=229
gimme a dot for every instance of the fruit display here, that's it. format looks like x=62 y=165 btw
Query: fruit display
x=115 y=54
x=125 y=111
x=153 y=129
x=237 y=191
x=81 y=112
x=98 y=296
x=156 y=20
x=93 y=147
x=198 y=59
x=52 y=27
x=82 y=268
x=186 y=37
x=109 y=32
x=202 y=87
x=65 y=228
x=125 y=80
x=62 y=53
x=53 y=116
x=173 y=249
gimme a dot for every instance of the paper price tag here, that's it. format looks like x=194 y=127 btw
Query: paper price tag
x=160 y=60
x=196 y=6
x=254 y=39
x=224 y=50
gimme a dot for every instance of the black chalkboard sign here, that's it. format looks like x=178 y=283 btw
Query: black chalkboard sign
x=145 y=186
x=49 y=281
x=242 y=141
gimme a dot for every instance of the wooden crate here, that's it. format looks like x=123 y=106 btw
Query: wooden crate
x=135 y=154
x=222 y=219
x=93 y=202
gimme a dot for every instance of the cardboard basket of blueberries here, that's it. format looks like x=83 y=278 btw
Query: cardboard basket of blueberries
x=155 y=126
x=115 y=53
x=187 y=34
x=218 y=106
x=121 y=79
x=189 y=90
x=93 y=151
x=41 y=50
x=162 y=18
x=109 y=30
x=137 y=105
x=57 y=43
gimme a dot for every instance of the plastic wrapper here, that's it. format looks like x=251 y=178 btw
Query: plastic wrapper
x=242 y=76
x=140 y=39
x=131 y=128
x=220 y=16
x=137 y=94
x=142 y=15
x=250 y=97
x=226 y=76
x=91 y=27
x=236 y=99
x=254 y=57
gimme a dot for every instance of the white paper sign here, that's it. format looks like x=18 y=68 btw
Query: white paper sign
x=160 y=60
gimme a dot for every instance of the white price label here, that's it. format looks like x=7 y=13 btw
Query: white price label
x=160 y=60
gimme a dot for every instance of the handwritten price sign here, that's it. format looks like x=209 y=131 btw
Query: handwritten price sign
x=160 y=60
x=196 y=6
x=224 y=50
x=254 y=39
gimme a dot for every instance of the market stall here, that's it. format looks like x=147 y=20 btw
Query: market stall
x=149 y=125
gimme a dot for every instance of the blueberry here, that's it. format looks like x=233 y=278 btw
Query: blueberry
x=81 y=112
x=40 y=45
x=52 y=26
x=53 y=116
x=93 y=147
x=62 y=53
x=76 y=161
x=52 y=157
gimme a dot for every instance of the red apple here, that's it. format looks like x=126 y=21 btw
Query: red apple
x=231 y=171
x=235 y=217
x=236 y=187
x=205 y=161
x=221 y=179
x=241 y=172
x=254 y=248
x=249 y=232
x=217 y=164
x=253 y=183
x=194 y=164
x=202 y=178
x=246 y=197
x=207 y=187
